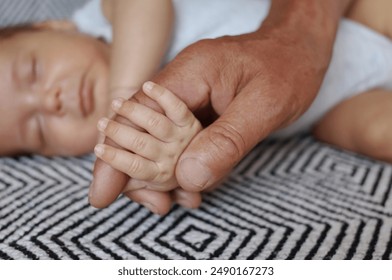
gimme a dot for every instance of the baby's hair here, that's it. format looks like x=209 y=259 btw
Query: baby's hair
x=10 y=31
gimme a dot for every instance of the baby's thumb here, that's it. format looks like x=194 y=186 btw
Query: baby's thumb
x=210 y=157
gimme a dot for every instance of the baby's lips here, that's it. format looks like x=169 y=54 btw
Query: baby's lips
x=86 y=95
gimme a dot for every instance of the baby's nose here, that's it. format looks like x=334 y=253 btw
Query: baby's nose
x=51 y=101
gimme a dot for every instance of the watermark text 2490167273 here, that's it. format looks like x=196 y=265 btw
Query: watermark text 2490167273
x=247 y=270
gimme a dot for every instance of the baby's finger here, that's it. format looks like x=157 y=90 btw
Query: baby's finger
x=131 y=164
x=174 y=108
x=130 y=138
x=157 y=124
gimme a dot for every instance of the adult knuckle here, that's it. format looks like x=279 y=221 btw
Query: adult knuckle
x=200 y=50
x=206 y=44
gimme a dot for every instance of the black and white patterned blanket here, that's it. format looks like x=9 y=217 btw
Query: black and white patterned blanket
x=292 y=199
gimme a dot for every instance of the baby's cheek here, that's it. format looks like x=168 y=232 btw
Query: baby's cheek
x=72 y=138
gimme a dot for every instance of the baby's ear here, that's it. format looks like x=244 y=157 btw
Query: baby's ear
x=63 y=25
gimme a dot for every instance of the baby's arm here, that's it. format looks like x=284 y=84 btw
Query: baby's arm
x=149 y=157
x=141 y=32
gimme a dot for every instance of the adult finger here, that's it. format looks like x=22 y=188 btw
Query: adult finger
x=186 y=199
x=157 y=202
x=102 y=190
x=217 y=149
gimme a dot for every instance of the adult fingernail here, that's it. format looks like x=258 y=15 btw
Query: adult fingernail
x=195 y=173
x=91 y=192
x=186 y=202
x=150 y=207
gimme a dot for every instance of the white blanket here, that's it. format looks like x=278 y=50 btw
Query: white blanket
x=362 y=58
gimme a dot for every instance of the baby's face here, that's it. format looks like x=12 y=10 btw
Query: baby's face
x=53 y=89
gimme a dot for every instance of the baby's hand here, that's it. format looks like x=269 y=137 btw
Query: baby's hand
x=149 y=157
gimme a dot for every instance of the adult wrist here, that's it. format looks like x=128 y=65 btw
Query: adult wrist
x=312 y=22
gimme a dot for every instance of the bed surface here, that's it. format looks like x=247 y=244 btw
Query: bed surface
x=294 y=199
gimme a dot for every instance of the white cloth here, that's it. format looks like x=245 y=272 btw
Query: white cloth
x=361 y=61
x=362 y=58
x=90 y=20
x=194 y=20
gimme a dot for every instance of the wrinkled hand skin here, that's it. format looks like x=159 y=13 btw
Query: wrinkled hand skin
x=254 y=83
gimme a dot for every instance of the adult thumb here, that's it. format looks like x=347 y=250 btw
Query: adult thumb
x=210 y=157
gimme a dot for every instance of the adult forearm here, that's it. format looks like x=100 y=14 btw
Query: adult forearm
x=312 y=20
x=308 y=14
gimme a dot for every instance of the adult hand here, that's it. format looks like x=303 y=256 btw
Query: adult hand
x=255 y=83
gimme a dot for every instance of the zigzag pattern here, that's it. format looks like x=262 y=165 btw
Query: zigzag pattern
x=294 y=199
x=26 y=11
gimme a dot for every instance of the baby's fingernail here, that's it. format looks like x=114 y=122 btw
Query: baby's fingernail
x=117 y=103
x=195 y=173
x=102 y=124
x=148 y=86
x=99 y=150
x=150 y=207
